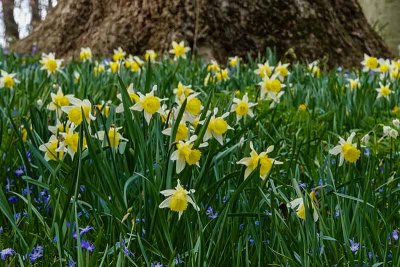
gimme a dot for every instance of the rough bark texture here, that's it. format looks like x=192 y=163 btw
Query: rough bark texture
x=334 y=29
x=11 y=27
x=34 y=5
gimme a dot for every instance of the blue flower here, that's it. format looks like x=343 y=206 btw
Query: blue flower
x=82 y=188
x=13 y=199
x=19 y=172
x=354 y=246
x=36 y=253
x=9 y=184
x=225 y=199
x=337 y=214
x=395 y=235
x=157 y=264
x=85 y=230
x=367 y=152
x=210 y=213
x=71 y=263
x=6 y=252
x=86 y=245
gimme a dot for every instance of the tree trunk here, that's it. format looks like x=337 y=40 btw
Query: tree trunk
x=34 y=4
x=334 y=29
x=11 y=27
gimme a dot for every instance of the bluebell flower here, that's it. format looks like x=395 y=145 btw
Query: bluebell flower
x=211 y=214
x=19 y=172
x=354 y=246
x=337 y=214
x=26 y=190
x=303 y=185
x=370 y=255
x=257 y=223
x=86 y=245
x=6 y=252
x=82 y=188
x=71 y=263
x=367 y=152
x=395 y=235
x=28 y=155
x=9 y=184
x=224 y=199
x=321 y=182
x=85 y=230
x=36 y=254
x=241 y=226
x=17 y=216
x=156 y=264
x=13 y=199
x=251 y=240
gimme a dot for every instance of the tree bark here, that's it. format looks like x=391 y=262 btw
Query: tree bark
x=34 y=4
x=333 y=29
x=11 y=27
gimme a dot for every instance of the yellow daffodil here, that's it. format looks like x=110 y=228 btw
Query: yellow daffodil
x=132 y=95
x=233 y=61
x=179 y=50
x=114 y=137
x=314 y=68
x=104 y=108
x=74 y=112
x=185 y=154
x=264 y=70
x=271 y=87
x=242 y=107
x=8 y=80
x=217 y=127
x=119 y=54
x=182 y=92
x=282 y=70
x=134 y=63
x=302 y=107
x=149 y=104
x=114 y=66
x=150 y=55
x=58 y=101
x=182 y=132
x=213 y=66
x=347 y=150
x=193 y=107
x=85 y=54
x=261 y=159
x=384 y=65
x=50 y=63
x=370 y=63
x=222 y=75
x=98 y=69
x=59 y=128
x=384 y=91
x=177 y=199
x=71 y=141
x=53 y=149
x=354 y=84
x=298 y=205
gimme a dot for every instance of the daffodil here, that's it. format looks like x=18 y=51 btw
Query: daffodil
x=282 y=70
x=185 y=154
x=149 y=104
x=314 y=68
x=178 y=199
x=271 y=87
x=264 y=70
x=8 y=80
x=384 y=91
x=104 y=107
x=59 y=127
x=182 y=92
x=298 y=205
x=50 y=63
x=71 y=141
x=98 y=69
x=261 y=160
x=179 y=50
x=132 y=95
x=217 y=127
x=150 y=55
x=74 y=112
x=114 y=137
x=114 y=66
x=233 y=61
x=77 y=77
x=134 y=63
x=119 y=54
x=302 y=107
x=193 y=107
x=213 y=66
x=222 y=75
x=384 y=65
x=354 y=84
x=85 y=54
x=347 y=150
x=242 y=107
x=53 y=149
x=182 y=132
x=370 y=63
x=58 y=101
